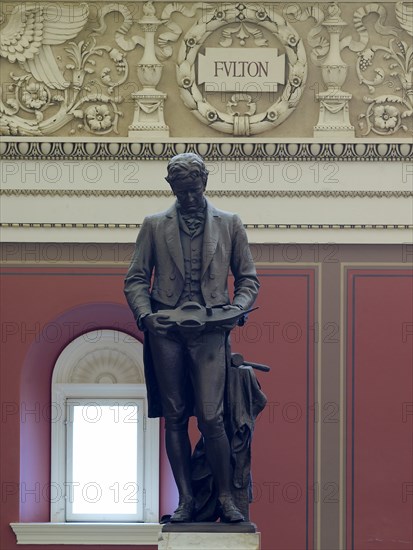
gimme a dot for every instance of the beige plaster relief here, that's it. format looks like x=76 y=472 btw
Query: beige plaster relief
x=207 y=70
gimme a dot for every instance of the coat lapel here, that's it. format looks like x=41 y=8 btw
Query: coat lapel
x=211 y=236
x=173 y=239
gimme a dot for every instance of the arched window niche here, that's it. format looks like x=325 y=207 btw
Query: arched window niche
x=99 y=379
x=100 y=367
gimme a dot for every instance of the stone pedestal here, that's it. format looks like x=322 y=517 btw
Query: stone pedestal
x=334 y=115
x=209 y=536
x=148 y=120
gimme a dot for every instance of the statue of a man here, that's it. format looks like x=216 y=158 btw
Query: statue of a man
x=189 y=250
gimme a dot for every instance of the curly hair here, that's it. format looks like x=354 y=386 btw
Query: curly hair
x=186 y=165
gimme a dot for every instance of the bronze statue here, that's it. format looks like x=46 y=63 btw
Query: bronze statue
x=189 y=251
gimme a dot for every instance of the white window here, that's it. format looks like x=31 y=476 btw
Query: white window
x=105 y=453
x=104 y=464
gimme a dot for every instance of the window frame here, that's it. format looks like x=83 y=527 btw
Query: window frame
x=62 y=390
x=138 y=423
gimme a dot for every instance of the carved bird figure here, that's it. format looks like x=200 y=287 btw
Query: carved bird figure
x=31 y=31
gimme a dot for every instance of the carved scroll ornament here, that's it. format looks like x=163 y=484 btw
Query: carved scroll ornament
x=27 y=39
x=69 y=72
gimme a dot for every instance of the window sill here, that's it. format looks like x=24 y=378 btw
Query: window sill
x=87 y=533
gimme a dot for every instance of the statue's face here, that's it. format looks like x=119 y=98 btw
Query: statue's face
x=189 y=193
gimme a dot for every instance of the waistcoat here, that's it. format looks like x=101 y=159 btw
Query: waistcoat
x=192 y=251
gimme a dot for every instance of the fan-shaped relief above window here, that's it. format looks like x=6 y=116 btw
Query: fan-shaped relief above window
x=196 y=69
x=101 y=357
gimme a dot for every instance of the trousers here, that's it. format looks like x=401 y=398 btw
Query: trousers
x=191 y=363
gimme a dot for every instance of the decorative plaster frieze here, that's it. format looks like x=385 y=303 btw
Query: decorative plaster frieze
x=390 y=111
x=138 y=69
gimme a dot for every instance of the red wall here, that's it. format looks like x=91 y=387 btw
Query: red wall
x=379 y=410
x=279 y=335
x=44 y=309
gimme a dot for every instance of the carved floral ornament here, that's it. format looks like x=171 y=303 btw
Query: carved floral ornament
x=66 y=71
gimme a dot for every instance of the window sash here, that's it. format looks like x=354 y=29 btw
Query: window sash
x=126 y=492
x=63 y=391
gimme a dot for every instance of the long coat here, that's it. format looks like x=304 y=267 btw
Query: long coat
x=158 y=253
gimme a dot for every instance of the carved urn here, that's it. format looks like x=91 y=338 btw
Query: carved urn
x=334 y=70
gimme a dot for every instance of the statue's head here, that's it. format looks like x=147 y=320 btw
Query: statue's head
x=188 y=176
x=186 y=166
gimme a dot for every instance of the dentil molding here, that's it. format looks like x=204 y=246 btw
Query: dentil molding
x=157 y=193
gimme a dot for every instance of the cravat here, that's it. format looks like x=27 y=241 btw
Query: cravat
x=194 y=221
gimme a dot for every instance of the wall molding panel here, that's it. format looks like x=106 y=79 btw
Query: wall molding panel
x=377 y=476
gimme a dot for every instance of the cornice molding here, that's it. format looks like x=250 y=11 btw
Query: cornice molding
x=157 y=193
x=265 y=151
